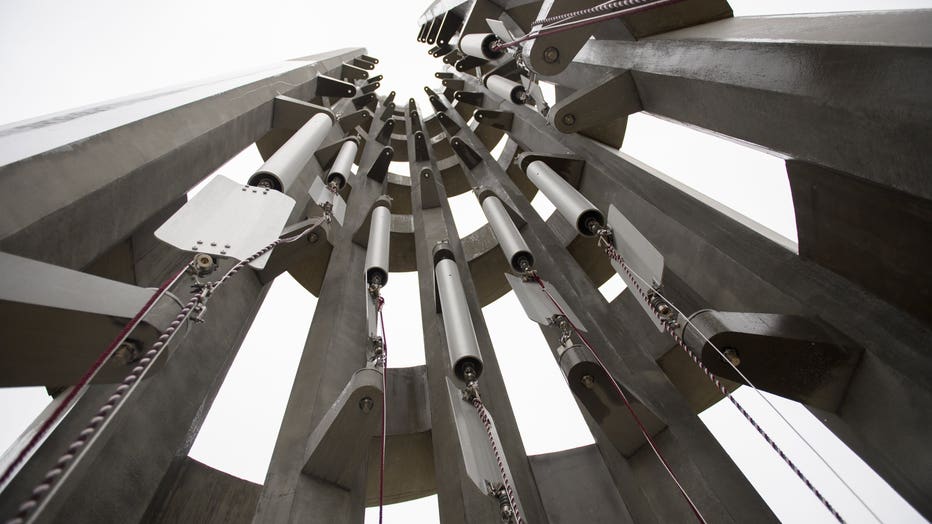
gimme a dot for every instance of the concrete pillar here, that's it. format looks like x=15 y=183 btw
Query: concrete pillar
x=734 y=266
x=845 y=90
x=335 y=348
x=459 y=499
x=710 y=477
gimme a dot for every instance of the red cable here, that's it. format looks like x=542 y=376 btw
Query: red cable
x=384 y=403
x=624 y=399
x=86 y=378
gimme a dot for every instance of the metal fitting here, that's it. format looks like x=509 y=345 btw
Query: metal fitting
x=732 y=355
x=203 y=264
x=366 y=404
x=587 y=381
x=569 y=119
x=551 y=55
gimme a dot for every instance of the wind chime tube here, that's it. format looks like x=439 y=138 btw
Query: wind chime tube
x=342 y=166
x=509 y=239
x=507 y=89
x=378 y=250
x=479 y=45
x=457 y=323
x=574 y=207
x=281 y=170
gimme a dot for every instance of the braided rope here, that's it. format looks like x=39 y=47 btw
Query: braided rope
x=605 y=6
x=506 y=482
x=72 y=395
x=669 y=328
x=66 y=462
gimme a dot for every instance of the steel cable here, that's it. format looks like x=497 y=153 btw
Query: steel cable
x=669 y=328
x=624 y=398
x=503 y=471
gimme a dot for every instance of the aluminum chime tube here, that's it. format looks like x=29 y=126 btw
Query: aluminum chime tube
x=574 y=207
x=281 y=170
x=377 y=253
x=509 y=239
x=457 y=323
x=342 y=166
x=479 y=45
x=507 y=89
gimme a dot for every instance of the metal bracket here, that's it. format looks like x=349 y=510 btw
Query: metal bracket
x=469 y=62
x=333 y=88
x=444 y=75
x=363 y=64
x=466 y=154
x=537 y=305
x=421 y=151
x=352 y=73
x=474 y=98
x=451 y=127
x=439 y=106
x=388 y=112
x=374 y=79
x=351 y=121
x=385 y=134
x=228 y=219
x=368 y=100
x=454 y=84
x=497 y=119
x=368 y=58
x=290 y=113
x=640 y=255
x=441 y=50
x=390 y=99
x=548 y=55
x=319 y=192
x=430 y=196
x=611 y=99
x=370 y=87
x=450 y=24
x=452 y=58
x=379 y=168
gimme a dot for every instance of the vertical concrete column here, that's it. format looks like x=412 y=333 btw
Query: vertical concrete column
x=335 y=348
x=459 y=499
x=735 y=266
x=149 y=436
x=715 y=484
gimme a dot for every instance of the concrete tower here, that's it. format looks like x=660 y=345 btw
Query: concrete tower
x=103 y=251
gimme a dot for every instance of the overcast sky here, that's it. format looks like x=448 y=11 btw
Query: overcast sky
x=57 y=55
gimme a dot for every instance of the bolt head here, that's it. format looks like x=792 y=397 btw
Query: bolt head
x=366 y=404
x=551 y=55
x=569 y=119
x=587 y=381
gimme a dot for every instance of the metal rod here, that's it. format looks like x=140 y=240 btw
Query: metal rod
x=342 y=166
x=574 y=207
x=512 y=243
x=461 y=337
x=378 y=250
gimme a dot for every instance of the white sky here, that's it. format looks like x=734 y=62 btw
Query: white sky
x=57 y=55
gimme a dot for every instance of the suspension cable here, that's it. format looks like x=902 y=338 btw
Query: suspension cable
x=604 y=6
x=669 y=327
x=196 y=304
x=503 y=471
x=566 y=26
x=381 y=303
x=624 y=398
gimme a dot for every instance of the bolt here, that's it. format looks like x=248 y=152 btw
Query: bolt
x=732 y=355
x=213 y=244
x=226 y=246
x=312 y=238
x=551 y=55
x=569 y=119
x=588 y=381
x=200 y=241
x=365 y=404
x=663 y=309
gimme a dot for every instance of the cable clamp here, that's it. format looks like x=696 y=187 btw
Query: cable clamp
x=497 y=491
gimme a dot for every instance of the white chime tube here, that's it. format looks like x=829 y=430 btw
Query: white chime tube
x=509 y=239
x=507 y=89
x=457 y=323
x=342 y=166
x=377 y=253
x=281 y=170
x=574 y=207
x=479 y=45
